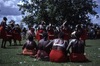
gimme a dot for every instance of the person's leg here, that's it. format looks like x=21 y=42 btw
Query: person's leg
x=2 y=43
x=15 y=43
x=5 y=44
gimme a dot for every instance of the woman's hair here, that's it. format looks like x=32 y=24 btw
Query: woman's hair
x=45 y=35
x=30 y=37
x=61 y=35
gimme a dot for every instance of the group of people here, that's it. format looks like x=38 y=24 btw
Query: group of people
x=56 y=45
x=9 y=32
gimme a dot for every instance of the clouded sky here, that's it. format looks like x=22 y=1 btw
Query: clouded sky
x=10 y=9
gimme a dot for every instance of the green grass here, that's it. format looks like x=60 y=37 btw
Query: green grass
x=9 y=57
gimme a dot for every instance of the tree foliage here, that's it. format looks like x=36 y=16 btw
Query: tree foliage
x=55 y=11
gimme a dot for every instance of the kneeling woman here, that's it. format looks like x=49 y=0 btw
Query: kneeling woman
x=29 y=47
x=77 y=48
x=58 y=52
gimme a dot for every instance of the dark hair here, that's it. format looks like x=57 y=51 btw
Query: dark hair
x=5 y=18
x=61 y=35
x=78 y=34
x=45 y=35
x=30 y=37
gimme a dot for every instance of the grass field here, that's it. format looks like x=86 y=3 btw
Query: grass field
x=10 y=57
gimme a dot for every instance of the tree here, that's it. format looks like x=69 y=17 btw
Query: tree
x=29 y=19
x=55 y=11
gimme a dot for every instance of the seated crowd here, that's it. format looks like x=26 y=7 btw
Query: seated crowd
x=58 y=49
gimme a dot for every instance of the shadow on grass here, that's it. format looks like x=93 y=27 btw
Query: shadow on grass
x=47 y=60
x=20 y=54
x=88 y=46
x=88 y=61
x=17 y=45
x=12 y=47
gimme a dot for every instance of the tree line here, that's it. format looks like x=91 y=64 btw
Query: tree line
x=56 y=11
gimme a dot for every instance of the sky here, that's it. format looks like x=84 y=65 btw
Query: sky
x=9 y=9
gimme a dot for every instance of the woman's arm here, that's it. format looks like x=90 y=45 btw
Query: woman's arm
x=49 y=44
x=24 y=46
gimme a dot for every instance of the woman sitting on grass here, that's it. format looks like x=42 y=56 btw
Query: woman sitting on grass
x=30 y=47
x=43 y=52
x=77 y=48
x=58 y=52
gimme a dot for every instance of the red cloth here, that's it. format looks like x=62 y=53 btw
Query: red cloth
x=66 y=34
x=1 y=29
x=39 y=34
x=28 y=52
x=17 y=36
x=2 y=33
x=57 y=56
x=84 y=35
x=50 y=34
x=75 y=57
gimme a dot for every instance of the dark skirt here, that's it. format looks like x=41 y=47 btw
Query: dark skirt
x=75 y=57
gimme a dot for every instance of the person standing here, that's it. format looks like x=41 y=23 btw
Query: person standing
x=2 y=28
x=3 y=31
x=3 y=23
x=50 y=30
